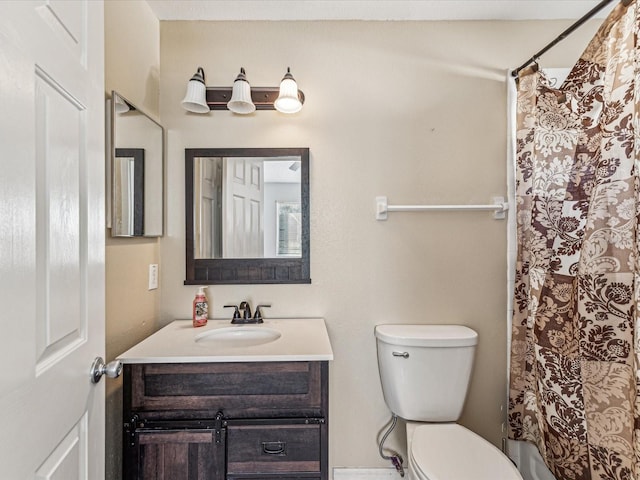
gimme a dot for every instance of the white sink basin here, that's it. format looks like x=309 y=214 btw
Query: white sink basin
x=239 y=336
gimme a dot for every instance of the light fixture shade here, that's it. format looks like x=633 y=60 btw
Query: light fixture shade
x=195 y=99
x=241 y=101
x=288 y=100
x=120 y=105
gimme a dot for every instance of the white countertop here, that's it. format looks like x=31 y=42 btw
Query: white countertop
x=303 y=339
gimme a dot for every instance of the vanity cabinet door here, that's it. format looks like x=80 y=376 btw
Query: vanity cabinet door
x=178 y=455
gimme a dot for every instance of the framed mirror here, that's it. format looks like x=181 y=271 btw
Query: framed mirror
x=247 y=215
x=135 y=174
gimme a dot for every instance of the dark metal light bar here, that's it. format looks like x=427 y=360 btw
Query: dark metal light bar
x=263 y=97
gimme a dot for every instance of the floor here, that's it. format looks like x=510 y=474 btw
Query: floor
x=366 y=474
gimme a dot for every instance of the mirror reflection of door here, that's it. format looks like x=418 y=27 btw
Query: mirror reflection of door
x=235 y=209
x=208 y=207
x=247 y=216
x=242 y=208
x=128 y=192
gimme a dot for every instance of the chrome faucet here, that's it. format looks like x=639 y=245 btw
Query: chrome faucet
x=246 y=313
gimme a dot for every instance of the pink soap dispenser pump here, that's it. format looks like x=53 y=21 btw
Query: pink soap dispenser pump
x=200 y=309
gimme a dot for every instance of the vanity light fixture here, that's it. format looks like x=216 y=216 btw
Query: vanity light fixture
x=196 y=98
x=242 y=98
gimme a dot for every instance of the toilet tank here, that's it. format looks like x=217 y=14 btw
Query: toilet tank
x=425 y=369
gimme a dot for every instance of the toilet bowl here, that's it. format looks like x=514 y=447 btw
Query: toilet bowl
x=448 y=451
x=425 y=372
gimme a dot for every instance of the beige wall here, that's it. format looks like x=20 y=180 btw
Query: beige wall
x=411 y=110
x=132 y=63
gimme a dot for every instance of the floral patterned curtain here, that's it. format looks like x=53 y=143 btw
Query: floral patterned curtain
x=574 y=380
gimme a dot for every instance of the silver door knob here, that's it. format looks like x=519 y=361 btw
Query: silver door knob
x=99 y=368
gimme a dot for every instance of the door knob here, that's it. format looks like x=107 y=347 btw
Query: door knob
x=99 y=368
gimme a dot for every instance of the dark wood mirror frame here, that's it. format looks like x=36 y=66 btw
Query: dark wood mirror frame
x=230 y=271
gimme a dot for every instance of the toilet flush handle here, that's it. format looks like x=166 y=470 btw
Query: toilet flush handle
x=400 y=354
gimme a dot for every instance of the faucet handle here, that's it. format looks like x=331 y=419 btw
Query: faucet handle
x=236 y=312
x=258 y=314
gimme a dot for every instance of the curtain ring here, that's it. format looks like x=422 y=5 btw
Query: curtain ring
x=535 y=67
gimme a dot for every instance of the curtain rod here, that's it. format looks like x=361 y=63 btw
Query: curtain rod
x=565 y=34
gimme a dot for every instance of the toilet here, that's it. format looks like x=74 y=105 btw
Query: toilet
x=425 y=372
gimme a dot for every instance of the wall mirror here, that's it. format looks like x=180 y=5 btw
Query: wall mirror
x=136 y=174
x=247 y=215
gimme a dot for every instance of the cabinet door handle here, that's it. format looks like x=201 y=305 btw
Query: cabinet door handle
x=274 y=448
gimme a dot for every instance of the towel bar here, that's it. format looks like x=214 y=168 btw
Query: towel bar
x=499 y=208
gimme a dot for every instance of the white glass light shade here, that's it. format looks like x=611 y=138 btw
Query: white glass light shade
x=241 y=101
x=120 y=105
x=195 y=99
x=288 y=100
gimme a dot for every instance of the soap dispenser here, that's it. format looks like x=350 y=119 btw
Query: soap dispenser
x=200 y=308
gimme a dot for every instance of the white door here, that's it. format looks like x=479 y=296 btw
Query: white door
x=206 y=207
x=242 y=208
x=51 y=239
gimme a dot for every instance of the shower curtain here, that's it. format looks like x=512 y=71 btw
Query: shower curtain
x=573 y=376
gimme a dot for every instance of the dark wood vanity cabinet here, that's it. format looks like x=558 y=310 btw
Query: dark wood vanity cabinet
x=215 y=421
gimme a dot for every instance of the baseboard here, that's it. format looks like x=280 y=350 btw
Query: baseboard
x=366 y=474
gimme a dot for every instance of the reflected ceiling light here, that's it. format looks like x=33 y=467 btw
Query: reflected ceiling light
x=195 y=99
x=241 y=101
x=288 y=100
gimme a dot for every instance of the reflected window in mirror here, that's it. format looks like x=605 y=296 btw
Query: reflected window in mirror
x=247 y=215
x=288 y=229
x=135 y=176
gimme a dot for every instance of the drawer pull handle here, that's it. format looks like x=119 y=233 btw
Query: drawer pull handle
x=274 y=448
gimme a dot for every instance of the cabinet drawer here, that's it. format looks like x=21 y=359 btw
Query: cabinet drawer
x=273 y=449
x=276 y=476
x=240 y=390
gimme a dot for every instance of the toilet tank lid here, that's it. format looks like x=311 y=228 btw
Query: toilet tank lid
x=426 y=335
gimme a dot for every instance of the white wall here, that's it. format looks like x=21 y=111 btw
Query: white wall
x=412 y=110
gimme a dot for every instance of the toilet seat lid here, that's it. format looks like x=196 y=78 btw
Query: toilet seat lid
x=450 y=451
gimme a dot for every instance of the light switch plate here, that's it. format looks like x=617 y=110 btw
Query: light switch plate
x=153 y=276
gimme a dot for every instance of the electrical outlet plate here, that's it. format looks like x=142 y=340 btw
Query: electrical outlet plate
x=153 y=276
